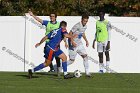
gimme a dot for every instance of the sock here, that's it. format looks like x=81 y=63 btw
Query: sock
x=86 y=65
x=107 y=65
x=41 y=66
x=64 y=65
x=101 y=66
x=69 y=62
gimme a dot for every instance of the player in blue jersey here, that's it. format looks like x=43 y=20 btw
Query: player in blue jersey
x=52 y=50
x=50 y=25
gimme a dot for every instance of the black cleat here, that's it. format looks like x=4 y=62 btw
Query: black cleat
x=52 y=70
x=30 y=73
x=68 y=76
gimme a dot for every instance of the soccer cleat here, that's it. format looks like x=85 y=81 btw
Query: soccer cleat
x=88 y=75
x=52 y=70
x=30 y=73
x=101 y=71
x=68 y=76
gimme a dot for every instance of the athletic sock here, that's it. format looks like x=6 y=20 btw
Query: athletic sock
x=41 y=66
x=64 y=65
x=86 y=65
x=107 y=65
x=101 y=66
x=69 y=62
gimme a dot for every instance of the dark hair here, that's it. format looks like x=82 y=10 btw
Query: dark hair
x=85 y=16
x=101 y=10
x=63 y=23
x=54 y=14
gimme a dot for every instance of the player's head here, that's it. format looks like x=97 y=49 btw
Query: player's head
x=101 y=14
x=53 y=16
x=84 y=19
x=63 y=24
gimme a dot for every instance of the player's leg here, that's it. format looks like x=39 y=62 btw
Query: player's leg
x=51 y=65
x=107 y=57
x=49 y=55
x=81 y=51
x=63 y=57
x=72 y=56
x=58 y=63
x=51 y=68
x=100 y=50
x=107 y=60
x=101 y=64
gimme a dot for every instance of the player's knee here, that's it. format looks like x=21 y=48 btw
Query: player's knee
x=100 y=55
x=47 y=62
x=64 y=58
x=84 y=56
x=72 y=60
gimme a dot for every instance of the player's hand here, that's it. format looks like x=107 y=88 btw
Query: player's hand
x=74 y=44
x=75 y=36
x=30 y=12
x=87 y=44
x=38 y=44
x=108 y=45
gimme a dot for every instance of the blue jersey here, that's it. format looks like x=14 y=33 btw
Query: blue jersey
x=56 y=36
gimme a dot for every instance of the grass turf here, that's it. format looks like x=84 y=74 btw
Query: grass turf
x=17 y=82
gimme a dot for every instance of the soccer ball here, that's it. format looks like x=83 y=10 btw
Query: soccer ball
x=77 y=73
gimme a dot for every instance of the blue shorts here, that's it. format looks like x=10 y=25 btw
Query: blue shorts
x=50 y=54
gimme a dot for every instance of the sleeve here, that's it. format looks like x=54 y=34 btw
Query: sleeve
x=109 y=30
x=74 y=28
x=45 y=22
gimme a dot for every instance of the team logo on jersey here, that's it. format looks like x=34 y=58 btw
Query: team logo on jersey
x=54 y=32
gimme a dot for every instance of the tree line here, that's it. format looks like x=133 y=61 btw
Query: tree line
x=70 y=7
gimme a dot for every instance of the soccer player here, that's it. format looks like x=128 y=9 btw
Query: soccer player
x=102 y=36
x=52 y=49
x=79 y=29
x=50 y=25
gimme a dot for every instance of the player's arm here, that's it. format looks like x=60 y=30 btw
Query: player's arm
x=93 y=45
x=85 y=38
x=42 y=40
x=65 y=41
x=109 y=34
x=35 y=17
x=71 y=37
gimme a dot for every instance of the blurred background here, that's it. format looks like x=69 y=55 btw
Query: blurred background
x=70 y=7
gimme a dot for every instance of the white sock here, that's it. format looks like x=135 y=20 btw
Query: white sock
x=65 y=73
x=107 y=65
x=86 y=65
x=101 y=66
x=70 y=62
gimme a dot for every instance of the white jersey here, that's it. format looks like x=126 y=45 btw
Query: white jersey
x=78 y=29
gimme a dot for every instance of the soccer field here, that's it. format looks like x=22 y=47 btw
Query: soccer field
x=17 y=82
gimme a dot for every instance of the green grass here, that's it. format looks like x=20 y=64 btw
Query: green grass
x=17 y=82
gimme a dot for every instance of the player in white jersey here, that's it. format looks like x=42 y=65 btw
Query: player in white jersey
x=79 y=29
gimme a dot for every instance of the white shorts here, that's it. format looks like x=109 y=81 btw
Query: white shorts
x=101 y=46
x=79 y=49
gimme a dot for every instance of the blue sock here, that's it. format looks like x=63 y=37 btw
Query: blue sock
x=64 y=65
x=39 y=67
